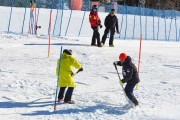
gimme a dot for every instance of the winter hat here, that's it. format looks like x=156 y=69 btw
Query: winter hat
x=112 y=11
x=94 y=7
x=122 y=56
x=69 y=52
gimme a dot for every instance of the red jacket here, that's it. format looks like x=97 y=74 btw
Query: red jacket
x=94 y=18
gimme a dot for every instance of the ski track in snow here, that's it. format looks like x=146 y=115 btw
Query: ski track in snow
x=28 y=80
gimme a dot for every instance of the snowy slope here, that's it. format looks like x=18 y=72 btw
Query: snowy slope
x=28 y=80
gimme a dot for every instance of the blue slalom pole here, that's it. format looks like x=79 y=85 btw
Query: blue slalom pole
x=140 y=22
x=58 y=77
x=126 y=22
x=24 y=16
x=165 y=25
x=122 y=20
x=61 y=17
x=170 y=27
x=158 y=23
x=69 y=18
x=82 y=24
x=146 y=24
x=175 y=24
x=12 y=5
x=179 y=35
x=153 y=24
x=49 y=29
x=37 y=18
x=134 y=23
x=55 y=21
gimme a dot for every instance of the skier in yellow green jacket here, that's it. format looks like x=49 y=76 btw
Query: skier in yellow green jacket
x=65 y=79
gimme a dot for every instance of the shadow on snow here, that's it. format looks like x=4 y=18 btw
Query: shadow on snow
x=87 y=109
x=64 y=44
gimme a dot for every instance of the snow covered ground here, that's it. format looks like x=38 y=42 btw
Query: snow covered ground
x=28 y=80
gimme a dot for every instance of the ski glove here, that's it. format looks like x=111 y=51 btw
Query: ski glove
x=81 y=69
x=121 y=83
x=114 y=63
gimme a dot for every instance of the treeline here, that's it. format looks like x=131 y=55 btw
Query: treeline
x=157 y=4
x=162 y=4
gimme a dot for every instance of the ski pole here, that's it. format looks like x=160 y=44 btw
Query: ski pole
x=58 y=79
x=129 y=101
x=119 y=76
x=76 y=73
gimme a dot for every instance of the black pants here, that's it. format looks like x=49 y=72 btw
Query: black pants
x=129 y=92
x=95 y=36
x=68 y=94
x=112 y=31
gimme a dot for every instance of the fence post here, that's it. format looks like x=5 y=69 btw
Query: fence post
x=24 y=17
x=12 y=5
x=170 y=27
x=82 y=23
x=69 y=18
x=153 y=24
x=61 y=17
x=175 y=24
x=158 y=23
x=146 y=23
x=121 y=23
x=134 y=22
x=38 y=12
x=165 y=25
x=55 y=21
x=140 y=22
x=126 y=22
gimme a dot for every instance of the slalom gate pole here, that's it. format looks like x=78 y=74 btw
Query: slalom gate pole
x=58 y=77
x=140 y=45
x=170 y=27
x=61 y=17
x=72 y=7
x=175 y=24
x=22 y=31
x=139 y=58
x=165 y=24
x=49 y=33
x=12 y=5
x=82 y=23
x=49 y=30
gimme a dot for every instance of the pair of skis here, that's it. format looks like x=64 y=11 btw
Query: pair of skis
x=121 y=84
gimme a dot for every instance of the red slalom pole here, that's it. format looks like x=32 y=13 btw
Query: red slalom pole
x=49 y=32
x=139 y=53
x=139 y=57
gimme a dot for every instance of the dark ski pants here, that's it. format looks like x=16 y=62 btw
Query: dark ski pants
x=129 y=92
x=111 y=39
x=95 y=36
x=68 y=94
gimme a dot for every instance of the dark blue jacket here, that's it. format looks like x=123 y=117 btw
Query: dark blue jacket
x=129 y=71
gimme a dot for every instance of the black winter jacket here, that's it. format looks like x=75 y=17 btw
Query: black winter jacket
x=129 y=71
x=111 y=22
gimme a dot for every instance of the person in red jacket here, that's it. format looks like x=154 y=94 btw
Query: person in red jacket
x=95 y=23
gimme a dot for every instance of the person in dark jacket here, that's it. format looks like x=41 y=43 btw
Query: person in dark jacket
x=130 y=75
x=95 y=23
x=111 y=21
